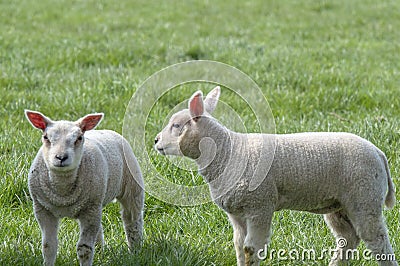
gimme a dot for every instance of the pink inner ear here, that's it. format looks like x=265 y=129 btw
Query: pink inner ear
x=37 y=120
x=196 y=106
x=89 y=122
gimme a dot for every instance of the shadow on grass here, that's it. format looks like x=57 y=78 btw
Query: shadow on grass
x=159 y=251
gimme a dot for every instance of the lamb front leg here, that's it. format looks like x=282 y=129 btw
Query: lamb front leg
x=100 y=237
x=90 y=225
x=49 y=226
x=258 y=236
x=239 y=234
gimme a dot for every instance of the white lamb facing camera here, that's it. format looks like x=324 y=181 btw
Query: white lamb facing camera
x=76 y=172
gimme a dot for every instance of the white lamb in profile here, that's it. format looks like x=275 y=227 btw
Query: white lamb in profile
x=76 y=172
x=340 y=175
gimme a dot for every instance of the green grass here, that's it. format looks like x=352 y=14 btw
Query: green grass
x=322 y=65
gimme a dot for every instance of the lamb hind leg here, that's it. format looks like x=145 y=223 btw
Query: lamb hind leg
x=345 y=234
x=132 y=217
x=372 y=230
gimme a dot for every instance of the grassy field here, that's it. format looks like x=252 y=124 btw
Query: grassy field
x=322 y=65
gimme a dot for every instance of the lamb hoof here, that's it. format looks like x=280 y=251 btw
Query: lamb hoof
x=85 y=255
x=249 y=258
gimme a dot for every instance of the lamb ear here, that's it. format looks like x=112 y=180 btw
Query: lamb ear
x=90 y=121
x=196 y=105
x=37 y=119
x=211 y=100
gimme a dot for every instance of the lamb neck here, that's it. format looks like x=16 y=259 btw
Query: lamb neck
x=230 y=147
x=63 y=183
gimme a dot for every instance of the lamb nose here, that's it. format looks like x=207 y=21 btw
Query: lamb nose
x=156 y=139
x=62 y=157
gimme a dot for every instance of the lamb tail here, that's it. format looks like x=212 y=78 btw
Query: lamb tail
x=390 y=199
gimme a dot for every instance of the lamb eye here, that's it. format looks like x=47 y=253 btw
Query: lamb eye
x=176 y=125
x=46 y=138
x=78 y=139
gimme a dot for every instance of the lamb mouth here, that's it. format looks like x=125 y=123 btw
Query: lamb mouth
x=161 y=151
x=60 y=166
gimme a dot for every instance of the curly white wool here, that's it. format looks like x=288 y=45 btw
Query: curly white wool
x=76 y=172
x=340 y=175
